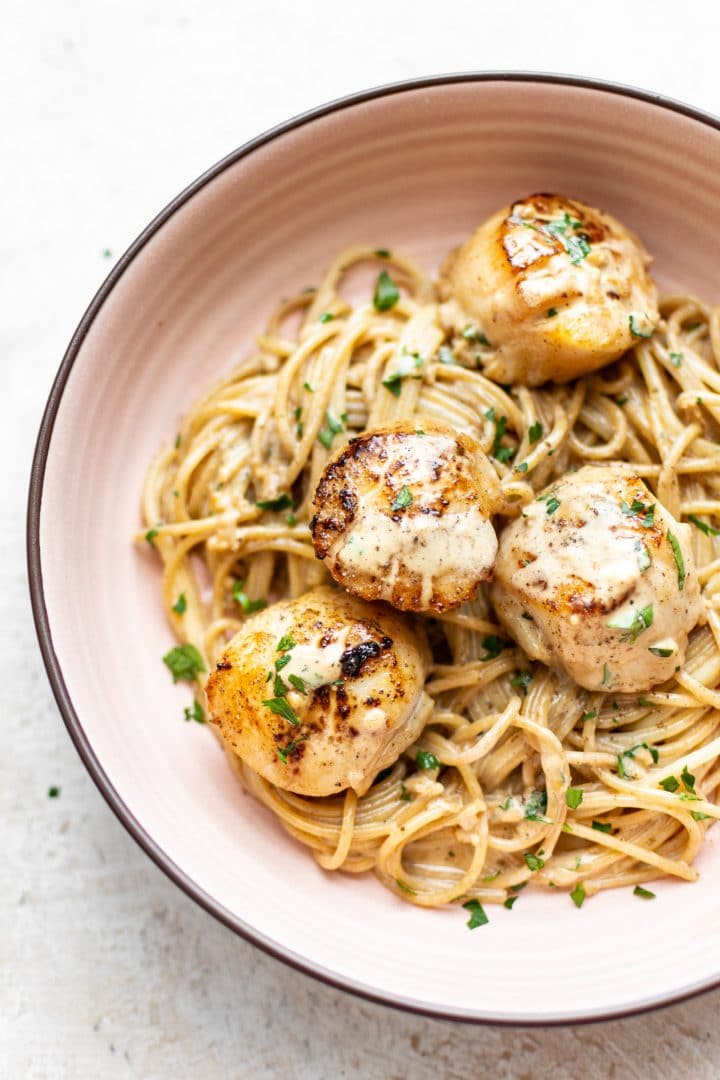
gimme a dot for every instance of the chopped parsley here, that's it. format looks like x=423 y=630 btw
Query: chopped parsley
x=578 y=896
x=282 y=661
x=602 y=826
x=670 y=783
x=644 y=894
x=688 y=780
x=658 y=650
x=334 y=427
x=282 y=502
x=287 y=641
x=522 y=680
x=283 y=752
x=676 y=359
x=633 y=623
x=180 y=605
x=622 y=400
x=637 y=508
x=248 y=606
x=522 y=467
x=679 y=561
x=644 y=559
x=53 y=792
x=536 y=806
x=403 y=499
x=607 y=676
x=296 y=681
x=499 y=452
x=636 y=331
x=394 y=381
x=533 y=862
x=405 y=795
x=494 y=645
x=310 y=389
x=551 y=312
x=576 y=244
x=427 y=760
x=697 y=815
x=703 y=526
x=150 y=535
x=508 y=903
x=386 y=293
x=184 y=662
x=588 y=716
x=477 y=914
x=404 y=888
x=194 y=712
x=551 y=505
x=473 y=333
x=573 y=797
x=281 y=707
x=535 y=431
x=326 y=316
x=382 y=253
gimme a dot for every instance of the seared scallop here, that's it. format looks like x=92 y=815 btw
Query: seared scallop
x=597 y=577
x=554 y=287
x=403 y=514
x=320 y=693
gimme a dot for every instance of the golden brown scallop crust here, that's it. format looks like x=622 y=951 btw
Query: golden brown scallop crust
x=415 y=476
x=320 y=745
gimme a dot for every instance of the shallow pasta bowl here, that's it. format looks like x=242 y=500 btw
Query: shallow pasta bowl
x=413 y=167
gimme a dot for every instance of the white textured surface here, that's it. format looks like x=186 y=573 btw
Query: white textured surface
x=107 y=110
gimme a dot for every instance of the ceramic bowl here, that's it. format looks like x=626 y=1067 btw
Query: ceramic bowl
x=412 y=167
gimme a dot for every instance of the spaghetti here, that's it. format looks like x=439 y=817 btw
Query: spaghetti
x=541 y=781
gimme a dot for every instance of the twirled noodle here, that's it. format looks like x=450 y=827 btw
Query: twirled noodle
x=497 y=815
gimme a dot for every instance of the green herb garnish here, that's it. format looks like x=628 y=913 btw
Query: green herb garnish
x=644 y=894
x=477 y=914
x=53 y=792
x=150 y=535
x=326 y=316
x=184 y=662
x=676 y=359
x=299 y=684
x=657 y=650
x=533 y=862
x=602 y=826
x=494 y=645
x=194 y=712
x=703 y=526
x=446 y=355
x=427 y=760
x=670 y=783
x=573 y=797
x=636 y=331
x=536 y=806
x=535 y=432
x=473 y=333
x=522 y=680
x=248 y=606
x=282 y=502
x=644 y=559
x=508 y=903
x=180 y=605
x=281 y=707
x=551 y=312
x=403 y=499
x=578 y=896
x=633 y=623
x=588 y=716
x=386 y=293
x=679 y=561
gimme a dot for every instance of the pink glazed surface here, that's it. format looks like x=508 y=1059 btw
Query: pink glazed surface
x=414 y=170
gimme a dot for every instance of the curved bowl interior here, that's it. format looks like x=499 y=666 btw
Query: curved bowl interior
x=414 y=170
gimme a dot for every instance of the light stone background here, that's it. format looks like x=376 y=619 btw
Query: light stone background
x=107 y=109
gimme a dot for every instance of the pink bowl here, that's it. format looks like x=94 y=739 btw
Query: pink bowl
x=413 y=167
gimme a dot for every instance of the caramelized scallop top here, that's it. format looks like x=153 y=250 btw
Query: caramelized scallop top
x=402 y=514
x=320 y=693
x=557 y=287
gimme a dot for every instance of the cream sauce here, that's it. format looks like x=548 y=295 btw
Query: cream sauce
x=601 y=588
x=431 y=547
x=317 y=665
